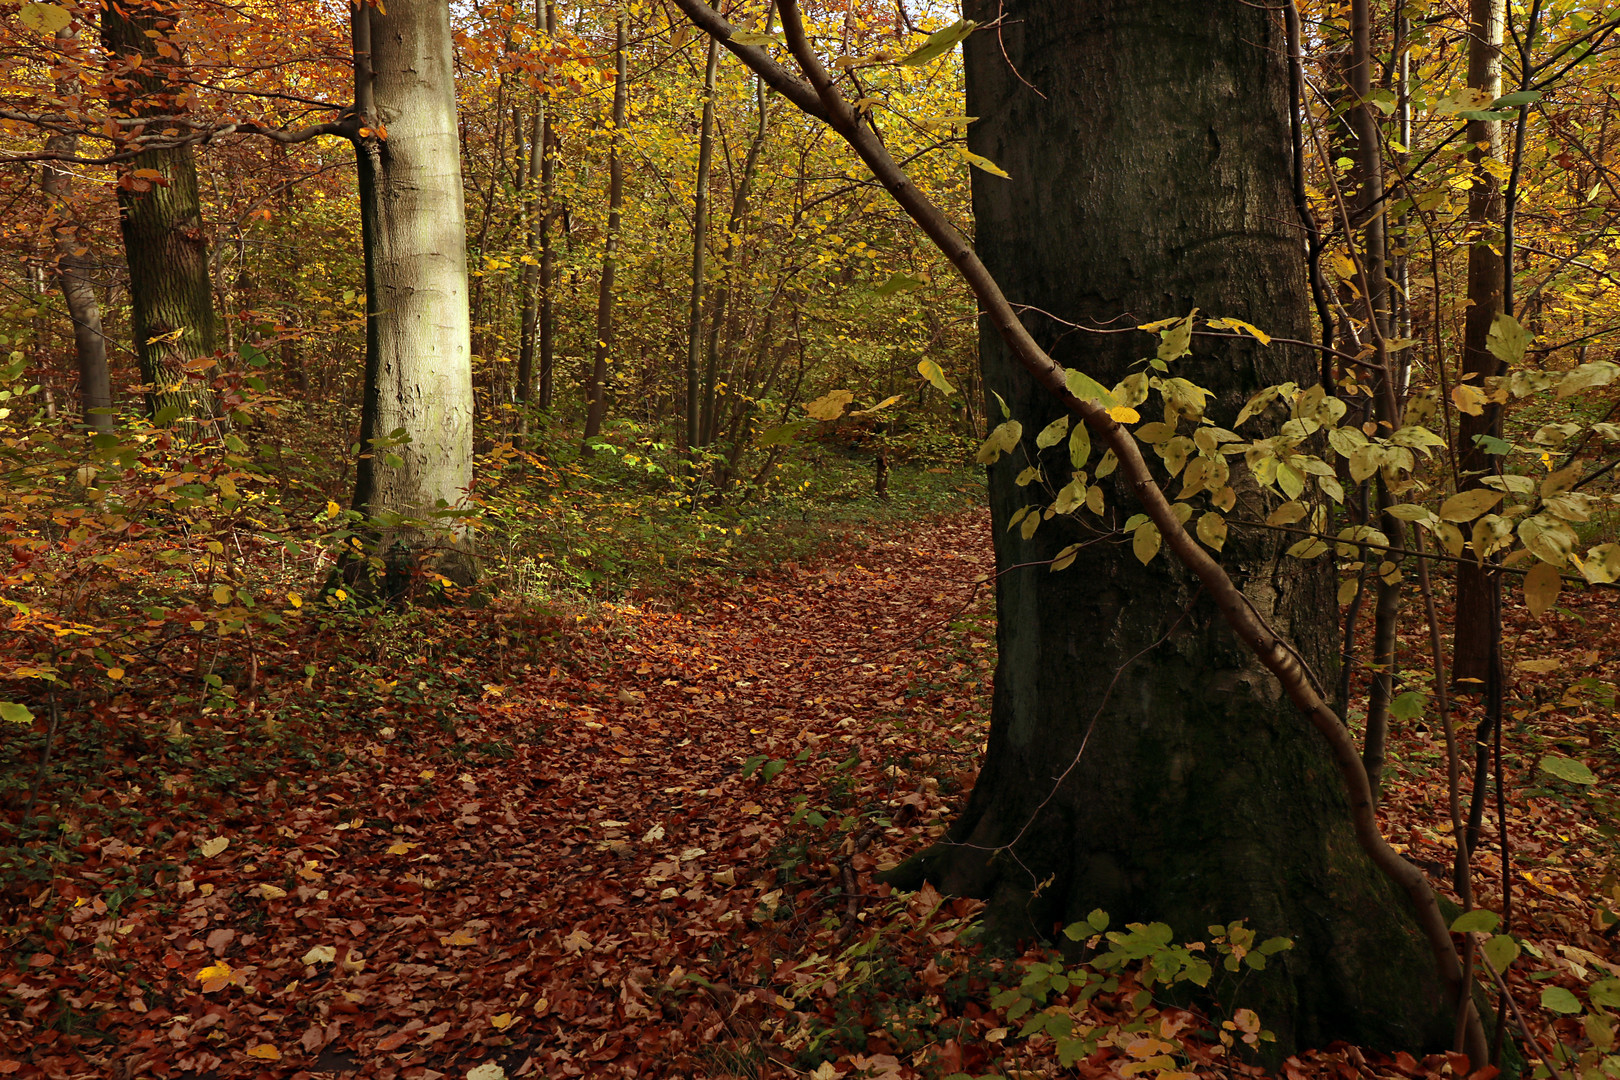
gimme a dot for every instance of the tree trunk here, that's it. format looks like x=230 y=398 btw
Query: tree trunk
x=160 y=217
x=1140 y=759
x=596 y=389
x=1471 y=646
x=694 y=435
x=548 y=276
x=413 y=228
x=73 y=272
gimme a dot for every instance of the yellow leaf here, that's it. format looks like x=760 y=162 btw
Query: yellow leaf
x=984 y=163
x=271 y=892
x=45 y=18
x=935 y=376
x=295 y=600
x=1468 y=505
x=829 y=406
x=1212 y=530
x=1468 y=399
x=218 y=974
x=458 y=939
x=319 y=954
x=210 y=848
x=1145 y=542
x=1124 y=414
x=264 y=1052
x=332 y=509
x=1541 y=587
x=400 y=848
x=502 y=1021
x=115 y=673
x=222 y=595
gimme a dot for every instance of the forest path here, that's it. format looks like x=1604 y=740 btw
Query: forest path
x=532 y=888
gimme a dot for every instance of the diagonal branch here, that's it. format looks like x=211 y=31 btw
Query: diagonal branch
x=1272 y=652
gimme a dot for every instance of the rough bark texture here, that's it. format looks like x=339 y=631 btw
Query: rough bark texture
x=1471 y=646
x=171 y=290
x=413 y=223
x=1152 y=178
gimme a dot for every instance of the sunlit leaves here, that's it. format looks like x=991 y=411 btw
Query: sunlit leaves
x=1507 y=340
x=940 y=42
x=979 y=161
x=1001 y=441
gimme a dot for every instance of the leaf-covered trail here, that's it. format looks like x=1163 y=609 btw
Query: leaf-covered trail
x=579 y=878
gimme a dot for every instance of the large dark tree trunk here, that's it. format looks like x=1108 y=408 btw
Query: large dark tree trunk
x=160 y=214
x=1152 y=178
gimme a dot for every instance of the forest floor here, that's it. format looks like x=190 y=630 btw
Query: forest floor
x=639 y=842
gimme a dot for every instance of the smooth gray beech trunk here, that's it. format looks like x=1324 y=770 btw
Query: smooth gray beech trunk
x=413 y=224
x=73 y=272
x=1151 y=179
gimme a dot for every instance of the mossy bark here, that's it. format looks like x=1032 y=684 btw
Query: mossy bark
x=1152 y=178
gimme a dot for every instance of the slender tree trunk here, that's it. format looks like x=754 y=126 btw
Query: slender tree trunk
x=728 y=259
x=596 y=390
x=160 y=217
x=528 y=319
x=73 y=274
x=548 y=275
x=414 y=230
x=700 y=247
x=1140 y=759
x=1471 y=647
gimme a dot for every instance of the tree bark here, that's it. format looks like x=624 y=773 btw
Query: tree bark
x=596 y=388
x=413 y=228
x=1471 y=646
x=694 y=434
x=548 y=276
x=160 y=217
x=78 y=293
x=1140 y=759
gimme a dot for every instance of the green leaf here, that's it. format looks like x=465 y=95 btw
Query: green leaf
x=1098 y=920
x=1501 y=951
x=1409 y=706
x=1557 y=999
x=1518 y=97
x=1478 y=921
x=1053 y=433
x=1001 y=441
x=1079 y=446
x=1507 y=340
x=940 y=42
x=900 y=283
x=1605 y=992
x=772 y=769
x=1086 y=388
x=1568 y=769
x=13 y=713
